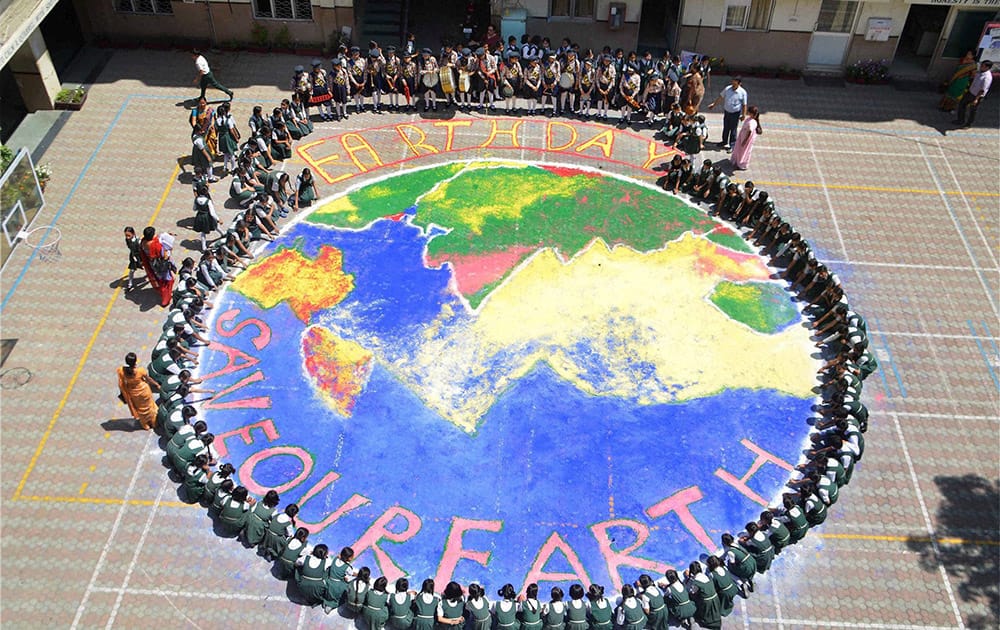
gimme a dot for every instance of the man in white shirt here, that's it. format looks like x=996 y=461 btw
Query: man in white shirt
x=977 y=90
x=205 y=78
x=734 y=105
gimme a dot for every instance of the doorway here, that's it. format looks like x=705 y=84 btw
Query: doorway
x=829 y=42
x=433 y=21
x=919 y=38
x=658 y=23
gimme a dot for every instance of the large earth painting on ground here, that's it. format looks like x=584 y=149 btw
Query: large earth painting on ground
x=511 y=372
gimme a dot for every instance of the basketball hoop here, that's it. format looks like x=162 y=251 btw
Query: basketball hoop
x=47 y=244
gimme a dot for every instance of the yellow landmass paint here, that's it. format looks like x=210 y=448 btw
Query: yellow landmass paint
x=307 y=285
x=339 y=368
x=614 y=322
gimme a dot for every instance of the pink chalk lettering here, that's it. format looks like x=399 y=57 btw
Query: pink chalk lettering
x=266 y=425
x=236 y=360
x=679 y=502
x=623 y=557
x=248 y=466
x=537 y=573
x=380 y=531
x=353 y=503
x=453 y=550
x=264 y=331
x=763 y=457
x=257 y=402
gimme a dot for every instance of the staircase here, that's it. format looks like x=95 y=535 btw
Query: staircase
x=381 y=20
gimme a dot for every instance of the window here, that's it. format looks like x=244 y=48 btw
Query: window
x=837 y=16
x=572 y=9
x=752 y=16
x=159 y=7
x=283 y=9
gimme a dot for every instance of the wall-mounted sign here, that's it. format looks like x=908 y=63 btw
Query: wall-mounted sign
x=878 y=29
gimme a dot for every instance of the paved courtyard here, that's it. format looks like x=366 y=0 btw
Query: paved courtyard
x=905 y=209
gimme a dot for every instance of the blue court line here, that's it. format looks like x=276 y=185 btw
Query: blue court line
x=892 y=363
x=868 y=132
x=76 y=184
x=989 y=335
x=961 y=232
x=885 y=382
x=982 y=351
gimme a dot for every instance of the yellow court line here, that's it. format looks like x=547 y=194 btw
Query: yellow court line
x=914 y=191
x=104 y=501
x=86 y=354
x=918 y=539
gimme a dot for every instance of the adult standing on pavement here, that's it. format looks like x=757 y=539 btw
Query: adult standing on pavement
x=970 y=101
x=734 y=105
x=205 y=78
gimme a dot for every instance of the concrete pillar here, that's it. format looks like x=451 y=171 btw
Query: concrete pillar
x=35 y=75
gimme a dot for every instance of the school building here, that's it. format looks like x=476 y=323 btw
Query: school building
x=922 y=38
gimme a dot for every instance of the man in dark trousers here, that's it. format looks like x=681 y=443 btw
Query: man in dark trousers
x=734 y=105
x=205 y=78
x=977 y=90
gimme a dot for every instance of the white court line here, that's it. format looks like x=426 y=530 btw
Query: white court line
x=938 y=365
x=111 y=536
x=826 y=193
x=950 y=416
x=935 y=335
x=771 y=147
x=186 y=594
x=958 y=228
x=135 y=555
x=968 y=207
x=911 y=265
x=814 y=623
x=927 y=521
x=777 y=605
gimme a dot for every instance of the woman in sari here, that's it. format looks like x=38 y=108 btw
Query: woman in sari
x=162 y=268
x=136 y=389
x=693 y=92
x=202 y=123
x=958 y=84
x=745 y=139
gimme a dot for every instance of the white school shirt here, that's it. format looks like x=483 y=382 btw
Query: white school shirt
x=559 y=607
x=202 y=64
x=504 y=605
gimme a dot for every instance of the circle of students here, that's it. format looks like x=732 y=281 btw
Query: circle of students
x=703 y=593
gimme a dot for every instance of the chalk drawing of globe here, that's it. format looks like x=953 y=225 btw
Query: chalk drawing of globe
x=517 y=372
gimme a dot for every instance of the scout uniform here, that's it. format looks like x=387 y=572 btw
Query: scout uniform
x=356 y=74
x=606 y=78
x=532 y=84
x=391 y=71
x=409 y=82
x=512 y=77
x=428 y=65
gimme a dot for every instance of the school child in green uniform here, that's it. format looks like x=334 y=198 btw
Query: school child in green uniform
x=206 y=220
x=281 y=141
x=759 y=547
x=576 y=609
x=341 y=571
x=629 y=614
x=400 y=606
x=134 y=256
x=451 y=607
x=216 y=479
x=554 y=612
x=305 y=189
x=200 y=157
x=600 y=611
x=310 y=574
x=531 y=609
x=222 y=494
x=425 y=606
x=228 y=136
x=357 y=590
x=505 y=609
x=681 y=608
x=739 y=561
x=234 y=512
x=775 y=531
x=652 y=602
x=194 y=446
x=725 y=585
x=290 y=552
x=477 y=608
x=195 y=477
x=794 y=518
x=261 y=514
x=376 y=611
x=279 y=530
x=301 y=114
x=176 y=419
x=701 y=588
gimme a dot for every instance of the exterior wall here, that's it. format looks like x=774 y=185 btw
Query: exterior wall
x=589 y=34
x=189 y=22
x=745 y=49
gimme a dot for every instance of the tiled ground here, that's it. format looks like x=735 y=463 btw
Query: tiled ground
x=905 y=209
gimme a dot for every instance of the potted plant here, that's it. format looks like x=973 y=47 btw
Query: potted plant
x=71 y=98
x=868 y=72
x=44 y=173
x=260 y=37
x=787 y=73
x=282 y=40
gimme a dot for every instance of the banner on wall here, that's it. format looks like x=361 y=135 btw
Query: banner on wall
x=989 y=43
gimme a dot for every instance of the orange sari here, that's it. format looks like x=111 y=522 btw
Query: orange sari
x=138 y=396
